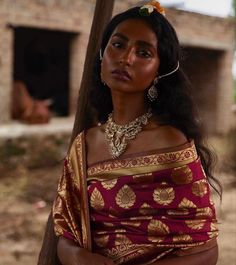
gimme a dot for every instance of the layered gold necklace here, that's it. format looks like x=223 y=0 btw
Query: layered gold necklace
x=118 y=135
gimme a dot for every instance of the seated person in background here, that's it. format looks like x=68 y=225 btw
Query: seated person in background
x=27 y=109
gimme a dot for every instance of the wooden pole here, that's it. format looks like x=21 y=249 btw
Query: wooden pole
x=102 y=14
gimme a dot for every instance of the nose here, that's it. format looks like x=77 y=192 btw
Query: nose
x=127 y=57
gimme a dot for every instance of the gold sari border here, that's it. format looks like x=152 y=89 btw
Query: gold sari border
x=142 y=164
x=185 y=250
x=80 y=171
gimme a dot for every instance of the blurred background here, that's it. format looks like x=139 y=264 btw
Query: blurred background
x=42 y=52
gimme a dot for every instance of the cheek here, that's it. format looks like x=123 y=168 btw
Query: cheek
x=146 y=74
x=105 y=64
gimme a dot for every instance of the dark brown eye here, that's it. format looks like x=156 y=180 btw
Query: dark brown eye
x=144 y=53
x=117 y=44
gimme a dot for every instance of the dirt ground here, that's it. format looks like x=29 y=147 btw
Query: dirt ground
x=25 y=199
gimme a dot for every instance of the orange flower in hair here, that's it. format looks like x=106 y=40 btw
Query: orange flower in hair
x=147 y=9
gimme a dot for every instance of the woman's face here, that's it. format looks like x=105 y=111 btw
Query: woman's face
x=130 y=61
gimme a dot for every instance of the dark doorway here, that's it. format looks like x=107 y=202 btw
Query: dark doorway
x=202 y=66
x=41 y=61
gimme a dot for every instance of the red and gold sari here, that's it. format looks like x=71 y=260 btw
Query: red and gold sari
x=137 y=209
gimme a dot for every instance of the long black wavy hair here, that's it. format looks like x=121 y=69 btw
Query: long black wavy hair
x=174 y=105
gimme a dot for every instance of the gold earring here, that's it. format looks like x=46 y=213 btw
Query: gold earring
x=152 y=93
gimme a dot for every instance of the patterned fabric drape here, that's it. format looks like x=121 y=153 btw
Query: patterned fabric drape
x=139 y=208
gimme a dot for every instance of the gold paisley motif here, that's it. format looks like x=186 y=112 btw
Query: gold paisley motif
x=96 y=199
x=101 y=241
x=182 y=175
x=156 y=239
x=182 y=238
x=195 y=224
x=125 y=197
x=145 y=209
x=109 y=184
x=122 y=240
x=206 y=212
x=214 y=230
x=157 y=227
x=199 y=188
x=164 y=196
x=185 y=203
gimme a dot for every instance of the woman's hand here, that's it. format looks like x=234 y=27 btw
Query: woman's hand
x=70 y=254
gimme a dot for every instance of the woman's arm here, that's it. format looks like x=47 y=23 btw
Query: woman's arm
x=208 y=257
x=70 y=254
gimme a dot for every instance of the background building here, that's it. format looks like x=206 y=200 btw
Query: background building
x=43 y=43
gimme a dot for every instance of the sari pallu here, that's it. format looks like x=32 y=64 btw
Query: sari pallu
x=137 y=209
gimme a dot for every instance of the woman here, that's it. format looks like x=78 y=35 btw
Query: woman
x=135 y=187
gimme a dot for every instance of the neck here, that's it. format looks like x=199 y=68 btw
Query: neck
x=127 y=107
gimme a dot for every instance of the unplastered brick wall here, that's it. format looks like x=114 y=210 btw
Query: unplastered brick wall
x=200 y=30
x=195 y=31
x=64 y=15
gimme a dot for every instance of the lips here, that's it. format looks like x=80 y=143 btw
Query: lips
x=121 y=75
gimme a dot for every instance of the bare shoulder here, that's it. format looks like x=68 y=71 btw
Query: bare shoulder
x=171 y=136
x=93 y=134
x=96 y=146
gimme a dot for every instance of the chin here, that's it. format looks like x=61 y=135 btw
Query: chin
x=122 y=86
x=122 y=89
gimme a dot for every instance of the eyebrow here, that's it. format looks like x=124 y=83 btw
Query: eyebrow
x=141 y=42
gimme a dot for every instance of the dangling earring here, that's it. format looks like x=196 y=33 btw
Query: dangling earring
x=152 y=93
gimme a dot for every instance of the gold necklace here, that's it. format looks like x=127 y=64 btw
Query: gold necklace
x=118 y=135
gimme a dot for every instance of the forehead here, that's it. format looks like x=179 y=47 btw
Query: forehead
x=136 y=29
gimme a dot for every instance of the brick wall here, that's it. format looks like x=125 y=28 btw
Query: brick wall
x=63 y=15
x=209 y=40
